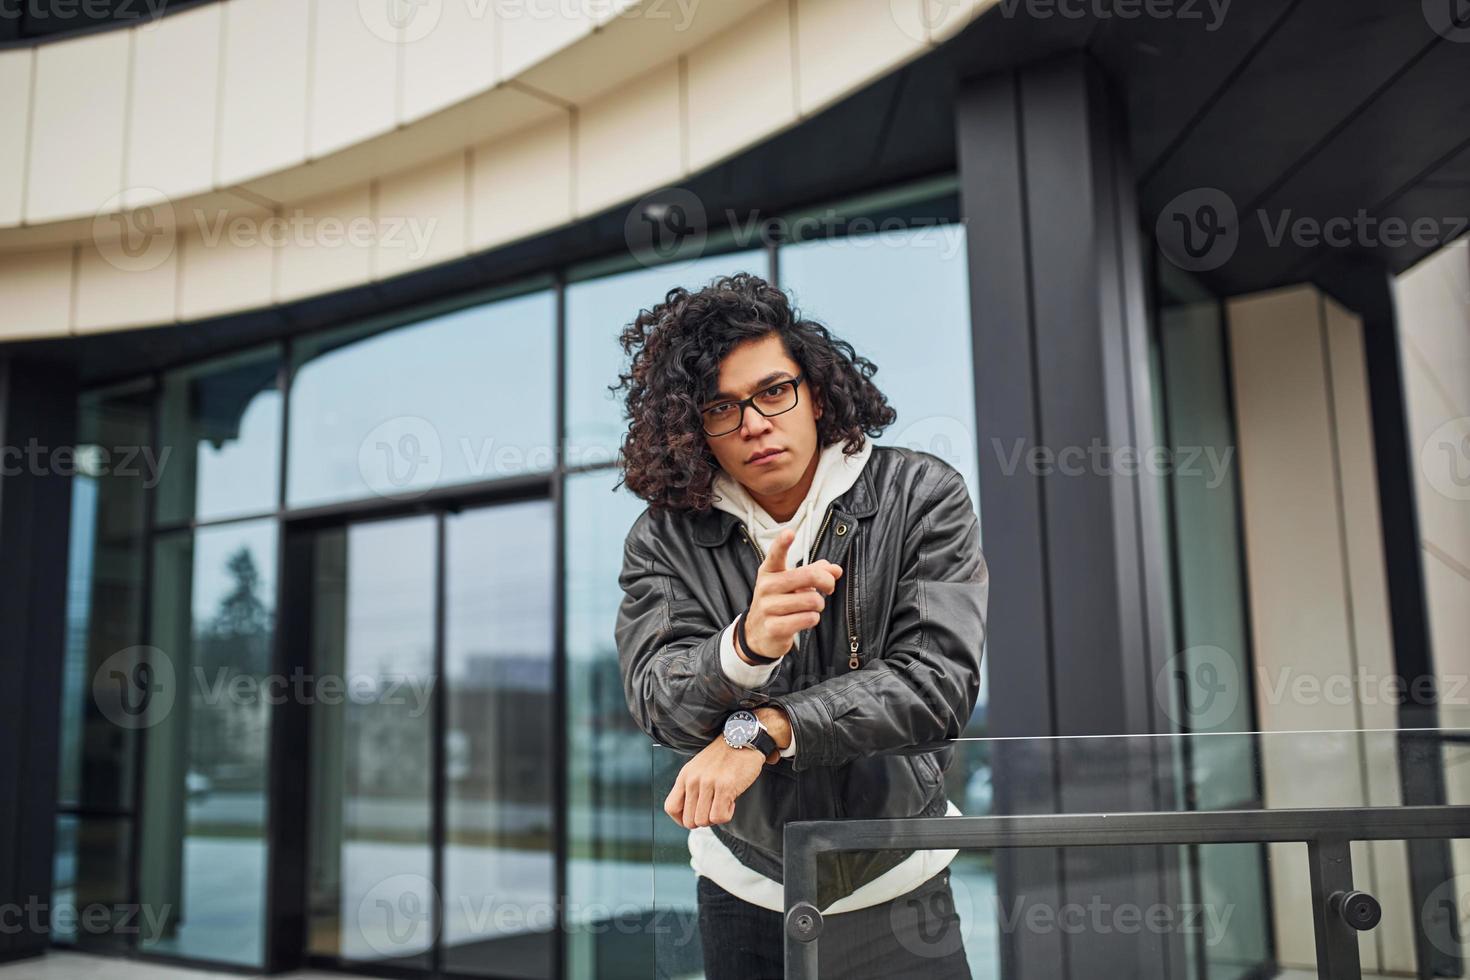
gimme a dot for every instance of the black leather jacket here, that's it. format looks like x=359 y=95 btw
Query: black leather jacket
x=890 y=672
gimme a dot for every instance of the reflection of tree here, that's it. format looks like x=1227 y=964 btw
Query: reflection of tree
x=228 y=730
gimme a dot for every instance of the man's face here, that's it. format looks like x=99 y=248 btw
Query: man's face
x=751 y=367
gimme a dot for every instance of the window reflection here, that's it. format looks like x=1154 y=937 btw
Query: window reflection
x=462 y=397
x=609 y=763
x=499 y=884
x=203 y=857
x=370 y=885
x=596 y=312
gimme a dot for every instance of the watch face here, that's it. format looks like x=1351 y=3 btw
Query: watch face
x=741 y=729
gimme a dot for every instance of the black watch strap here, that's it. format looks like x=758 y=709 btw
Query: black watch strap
x=749 y=653
x=764 y=743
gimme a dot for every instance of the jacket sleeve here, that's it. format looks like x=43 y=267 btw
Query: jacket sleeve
x=922 y=687
x=669 y=655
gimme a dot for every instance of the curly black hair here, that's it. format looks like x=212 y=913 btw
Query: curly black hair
x=676 y=348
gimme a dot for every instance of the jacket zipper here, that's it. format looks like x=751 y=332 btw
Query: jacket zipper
x=852 y=638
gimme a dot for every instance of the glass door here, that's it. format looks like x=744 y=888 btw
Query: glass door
x=430 y=814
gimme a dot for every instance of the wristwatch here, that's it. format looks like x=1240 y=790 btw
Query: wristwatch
x=743 y=730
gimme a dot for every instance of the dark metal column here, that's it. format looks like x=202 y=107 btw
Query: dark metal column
x=37 y=417
x=1078 y=593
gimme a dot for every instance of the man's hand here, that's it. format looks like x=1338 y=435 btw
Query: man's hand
x=705 y=791
x=785 y=602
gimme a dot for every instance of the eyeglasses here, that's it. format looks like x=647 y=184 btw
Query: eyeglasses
x=724 y=418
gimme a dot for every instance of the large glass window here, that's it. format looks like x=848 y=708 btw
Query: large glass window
x=608 y=756
x=104 y=607
x=499 y=860
x=462 y=397
x=372 y=633
x=203 y=860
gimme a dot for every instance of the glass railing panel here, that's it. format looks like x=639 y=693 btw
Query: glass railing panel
x=1221 y=909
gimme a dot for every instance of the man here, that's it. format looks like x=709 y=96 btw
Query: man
x=804 y=613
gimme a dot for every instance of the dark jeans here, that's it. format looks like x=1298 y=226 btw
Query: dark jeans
x=914 y=935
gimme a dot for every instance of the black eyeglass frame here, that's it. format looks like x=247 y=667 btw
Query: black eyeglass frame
x=750 y=402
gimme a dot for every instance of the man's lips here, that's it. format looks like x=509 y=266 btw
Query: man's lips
x=765 y=455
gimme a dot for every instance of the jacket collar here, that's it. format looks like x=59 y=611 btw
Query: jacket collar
x=711 y=528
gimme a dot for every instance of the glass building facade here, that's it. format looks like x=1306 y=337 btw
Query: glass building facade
x=405 y=534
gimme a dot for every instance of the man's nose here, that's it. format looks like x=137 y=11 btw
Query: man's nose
x=753 y=422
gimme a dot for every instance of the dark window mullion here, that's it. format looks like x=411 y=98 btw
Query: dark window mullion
x=437 y=753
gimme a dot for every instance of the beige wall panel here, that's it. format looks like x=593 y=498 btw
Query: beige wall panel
x=645 y=34
x=330 y=245
x=876 y=36
x=1297 y=574
x=1433 y=301
x=532 y=30
x=226 y=262
x=611 y=167
x=754 y=58
x=500 y=112
x=116 y=291
x=1433 y=306
x=354 y=78
x=174 y=103
x=77 y=168
x=1362 y=526
x=1290 y=504
x=263 y=106
x=15 y=81
x=452 y=60
x=422 y=216
x=1438 y=430
x=521 y=184
x=37 y=291
x=1447 y=585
